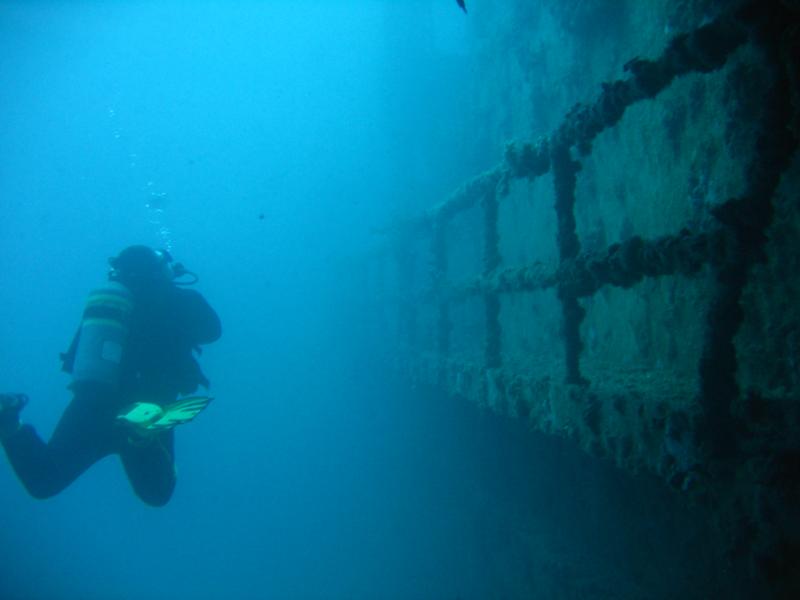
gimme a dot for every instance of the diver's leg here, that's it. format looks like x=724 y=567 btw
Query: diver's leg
x=81 y=438
x=150 y=466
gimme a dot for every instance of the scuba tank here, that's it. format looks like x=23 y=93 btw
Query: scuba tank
x=102 y=336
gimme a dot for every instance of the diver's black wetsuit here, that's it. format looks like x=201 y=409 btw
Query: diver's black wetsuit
x=156 y=366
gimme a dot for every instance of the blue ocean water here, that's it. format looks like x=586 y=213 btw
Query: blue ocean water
x=262 y=143
x=258 y=142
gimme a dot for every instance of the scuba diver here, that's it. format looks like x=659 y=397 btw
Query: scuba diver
x=133 y=366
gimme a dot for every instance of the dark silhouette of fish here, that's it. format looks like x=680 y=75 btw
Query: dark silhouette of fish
x=463 y=6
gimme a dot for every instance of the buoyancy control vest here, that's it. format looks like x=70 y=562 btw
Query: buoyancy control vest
x=100 y=343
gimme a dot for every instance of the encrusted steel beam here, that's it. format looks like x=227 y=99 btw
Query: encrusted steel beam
x=491 y=260
x=620 y=265
x=746 y=218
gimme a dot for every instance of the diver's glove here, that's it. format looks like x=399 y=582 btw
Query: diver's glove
x=146 y=418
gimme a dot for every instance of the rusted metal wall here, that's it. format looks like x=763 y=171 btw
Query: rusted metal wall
x=626 y=281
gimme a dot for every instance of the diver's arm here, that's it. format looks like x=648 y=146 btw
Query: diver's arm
x=201 y=321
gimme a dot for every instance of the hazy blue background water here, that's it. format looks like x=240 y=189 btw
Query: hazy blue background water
x=180 y=124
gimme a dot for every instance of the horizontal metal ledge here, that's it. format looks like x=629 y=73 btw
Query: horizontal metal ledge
x=626 y=423
x=620 y=265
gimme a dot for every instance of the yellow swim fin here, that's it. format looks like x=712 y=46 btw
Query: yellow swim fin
x=147 y=416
